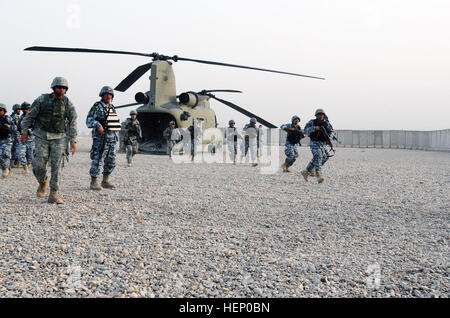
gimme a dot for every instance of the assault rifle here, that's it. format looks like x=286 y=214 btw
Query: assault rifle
x=328 y=141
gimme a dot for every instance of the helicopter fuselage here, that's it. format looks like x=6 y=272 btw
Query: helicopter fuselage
x=162 y=106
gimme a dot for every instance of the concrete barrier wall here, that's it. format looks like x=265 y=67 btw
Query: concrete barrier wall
x=396 y=139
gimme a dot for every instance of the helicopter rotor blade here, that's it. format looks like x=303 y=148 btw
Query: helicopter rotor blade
x=128 y=105
x=81 y=50
x=245 y=112
x=177 y=58
x=133 y=77
x=219 y=90
x=159 y=57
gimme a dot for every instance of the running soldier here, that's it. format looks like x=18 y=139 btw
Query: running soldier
x=294 y=135
x=25 y=152
x=133 y=134
x=232 y=136
x=7 y=131
x=49 y=113
x=320 y=132
x=105 y=124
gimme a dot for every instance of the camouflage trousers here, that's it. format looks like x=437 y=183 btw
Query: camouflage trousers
x=252 y=146
x=320 y=155
x=45 y=151
x=5 y=153
x=132 y=150
x=232 y=149
x=107 y=157
x=170 y=145
x=14 y=148
x=25 y=153
x=194 y=144
x=291 y=152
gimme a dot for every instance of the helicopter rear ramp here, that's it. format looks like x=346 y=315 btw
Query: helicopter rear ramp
x=153 y=126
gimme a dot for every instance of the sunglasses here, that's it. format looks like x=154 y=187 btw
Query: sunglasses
x=61 y=87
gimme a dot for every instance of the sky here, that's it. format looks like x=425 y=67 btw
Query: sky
x=386 y=62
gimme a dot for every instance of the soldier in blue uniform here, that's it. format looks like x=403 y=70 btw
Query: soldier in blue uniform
x=25 y=152
x=7 y=131
x=15 y=117
x=105 y=124
x=319 y=131
x=294 y=135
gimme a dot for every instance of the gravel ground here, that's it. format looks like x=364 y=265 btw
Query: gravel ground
x=378 y=227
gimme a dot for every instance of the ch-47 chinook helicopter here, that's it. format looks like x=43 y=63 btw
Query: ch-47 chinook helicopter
x=162 y=105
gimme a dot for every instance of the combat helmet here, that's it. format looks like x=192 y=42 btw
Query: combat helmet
x=60 y=81
x=106 y=90
x=16 y=107
x=133 y=112
x=3 y=106
x=253 y=120
x=24 y=105
x=320 y=111
x=171 y=123
x=294 y=118
x=231 y=122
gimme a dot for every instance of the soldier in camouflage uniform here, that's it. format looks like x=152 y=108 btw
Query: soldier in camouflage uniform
x=195 y=133
x=15 y=117
x=49 y=113
x=25 y=152
x=104 y=140
x=232 y=136
x=7 y=131
x=294 y=135
x=133 y=133
x=167 y=134
x=319 y=131
x=250 y=142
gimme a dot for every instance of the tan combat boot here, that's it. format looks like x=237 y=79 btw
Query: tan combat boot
x=42 y=188
x=95 y=185
x=305 y=174
x=286 y=168
x=25 y=169
x=320 y=178
x=106 y=184
x=7 y=173
x=12 y=164
x=54 y=198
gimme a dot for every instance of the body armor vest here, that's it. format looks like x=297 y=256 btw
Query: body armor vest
x=4 y=131
x=112 y=120
x=52 y=116
x=294 y=137
x=319 y=135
